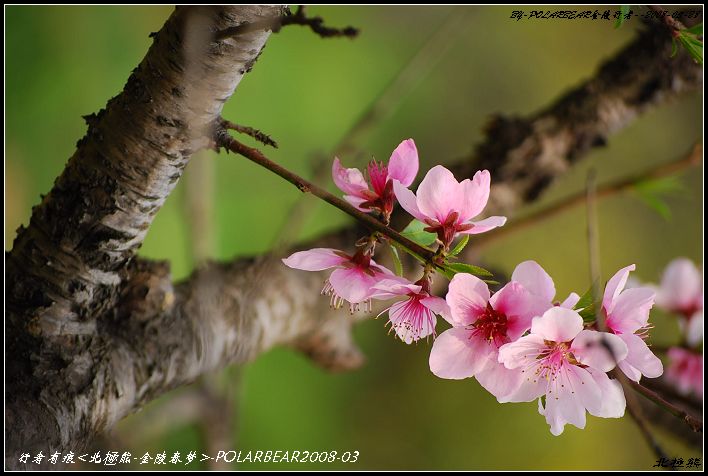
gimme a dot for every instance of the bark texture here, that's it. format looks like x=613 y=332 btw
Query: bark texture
x=93 y=333
x=66 y=270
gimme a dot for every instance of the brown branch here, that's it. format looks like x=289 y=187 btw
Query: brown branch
x=671 y=393
x=696 y=424
x=316 y=24
x=635 y=411
x=260 y=136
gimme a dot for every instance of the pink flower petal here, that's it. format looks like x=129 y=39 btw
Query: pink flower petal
x=535 y=279
x=439 y=194
x=631 y=372
x=572 y=392
x=390 y=288
x=315 y=259
x=519 y=306
x=694 y=329
x=612 y=403
x=615 y=286
x=558 y=324
x=438 y=305
x=599 y=350
x=529 y=389
x=456 y=354
x=411 y=320
x=356 y=202
x=384 y=271
x=681 y=284
x=630 y=310
x=500 y=381
x=403 y=165
x=349 y=181
x=467 y=297
x=640 y=358
x=475 y=194
x=570 y=301
x=685 y=371
x=353 y=284
x=408 y=200
x=522 y=353
x=485 y=225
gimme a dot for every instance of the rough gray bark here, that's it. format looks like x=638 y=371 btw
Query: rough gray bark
x=93 y=333
x=66 y=269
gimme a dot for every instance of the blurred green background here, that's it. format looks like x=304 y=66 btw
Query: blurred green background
x=64 y=62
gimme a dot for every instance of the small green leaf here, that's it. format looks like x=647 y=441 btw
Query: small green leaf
x=660 y=185
x=588 y=314
x=674 y=48
x=414 y=232
x=651 y=191
x=623 y=10
x=585 y=300
x=460 y=245
x=448 y=273
x=406 y=250
x=396 y=260
x=657 y=204
x=696 y=29
x=468 y=268
x=693 y=45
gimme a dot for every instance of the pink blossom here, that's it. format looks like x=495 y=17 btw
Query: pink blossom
x=448 y=206
x=402 y=166
x=567 y=365
x=352 y=280
x=482 y=324
x=536 y=281
x=681 y=292
x=685 y=370
x=627 y=312
x=414 y=317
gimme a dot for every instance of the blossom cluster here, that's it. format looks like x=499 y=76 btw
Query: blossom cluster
x=681 y=294
x=519 y=343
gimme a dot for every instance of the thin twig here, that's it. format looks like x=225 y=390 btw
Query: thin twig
x=316 y=24
x=694 y=423
x=635 y=411
x=260 y=136
x=670 y=392
x=686 y=161
x=223 y=139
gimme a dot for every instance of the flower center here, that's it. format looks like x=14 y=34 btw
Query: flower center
x=447 y=230
x=378 y=175
x=689 y=311
x=411 y=319
x=556 y=353
x=491 y=326
x=382 y=198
